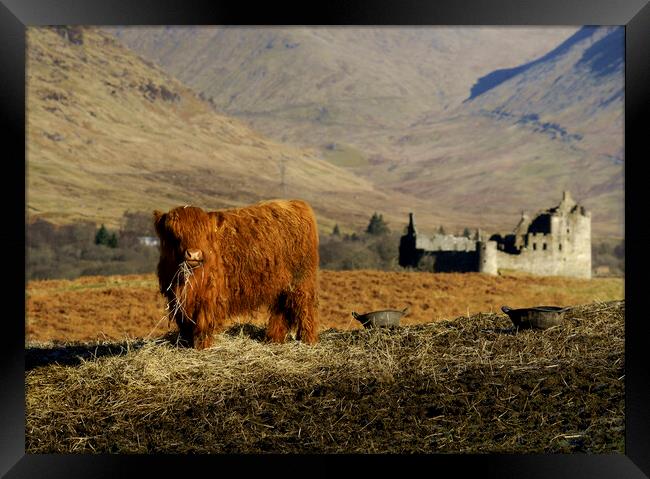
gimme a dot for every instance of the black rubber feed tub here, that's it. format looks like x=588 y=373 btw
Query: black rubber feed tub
x=538 y=317
x=387 y=318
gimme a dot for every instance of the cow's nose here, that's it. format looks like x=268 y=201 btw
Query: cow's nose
x=193 y=255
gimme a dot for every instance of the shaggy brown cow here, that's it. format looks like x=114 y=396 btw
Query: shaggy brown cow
x=218 y=264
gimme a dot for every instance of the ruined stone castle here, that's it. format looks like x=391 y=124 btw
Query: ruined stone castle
x=556 y=242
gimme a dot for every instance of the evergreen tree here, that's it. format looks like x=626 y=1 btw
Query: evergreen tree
x=377 y=225
x=467 y=233
x=336 y=231
x=102 y=236
x=112 y=241
x=441 y=230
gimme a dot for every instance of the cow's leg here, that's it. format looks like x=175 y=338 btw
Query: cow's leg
x=204 y=329
x=279 y=323
x=185 y=332
x=302 y=306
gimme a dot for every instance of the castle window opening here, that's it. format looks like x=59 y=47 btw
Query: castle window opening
x=560 y=246
x=543 y=245
x=534 y=246
x=567 y=230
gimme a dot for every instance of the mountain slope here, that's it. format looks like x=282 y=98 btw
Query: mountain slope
x=494 y=171
x=107 y=132
x=105 y=136
x=482 y=122
x=334 y=76
x=575 y=92
x=524 y=135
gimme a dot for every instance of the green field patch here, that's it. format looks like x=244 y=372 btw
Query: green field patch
x=344 y=155
x=76 y=286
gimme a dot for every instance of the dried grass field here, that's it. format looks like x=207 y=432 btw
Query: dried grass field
x=103 y=374
x=121 y=307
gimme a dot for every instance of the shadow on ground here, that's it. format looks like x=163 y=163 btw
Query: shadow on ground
x=72 y=354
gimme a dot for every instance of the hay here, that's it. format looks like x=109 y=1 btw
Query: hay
x=181 y=281
x=468 y=385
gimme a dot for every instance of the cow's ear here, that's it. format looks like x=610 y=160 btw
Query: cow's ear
x=159 y=221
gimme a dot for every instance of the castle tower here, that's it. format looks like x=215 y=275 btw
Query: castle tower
x=567 y=202
x=580 y=223
x=487 y=257
x=411 y=231
x=571 y=238
x=408 y=256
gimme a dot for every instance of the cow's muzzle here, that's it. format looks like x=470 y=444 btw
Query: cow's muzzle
x=193 y=257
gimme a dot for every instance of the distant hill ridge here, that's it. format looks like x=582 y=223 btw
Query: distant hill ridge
x=575 y=92
x=497 y=77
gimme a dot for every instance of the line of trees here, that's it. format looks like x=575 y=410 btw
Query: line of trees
x=610 y=254
x=81 y=248
x=375 y=248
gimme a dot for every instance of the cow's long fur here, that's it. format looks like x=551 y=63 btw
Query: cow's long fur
x=265 y=254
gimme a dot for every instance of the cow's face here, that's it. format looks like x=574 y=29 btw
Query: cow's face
x=185 y=236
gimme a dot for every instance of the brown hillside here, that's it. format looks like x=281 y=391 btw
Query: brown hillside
x=108 y=131
x=354 y=72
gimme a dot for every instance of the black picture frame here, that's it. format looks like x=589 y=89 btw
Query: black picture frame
x=16 y=15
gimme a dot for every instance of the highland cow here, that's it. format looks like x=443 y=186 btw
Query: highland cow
x=218 y=264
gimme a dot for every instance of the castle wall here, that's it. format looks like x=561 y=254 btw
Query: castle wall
x=542 y=262
x=454 y=261
x=441 y=242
